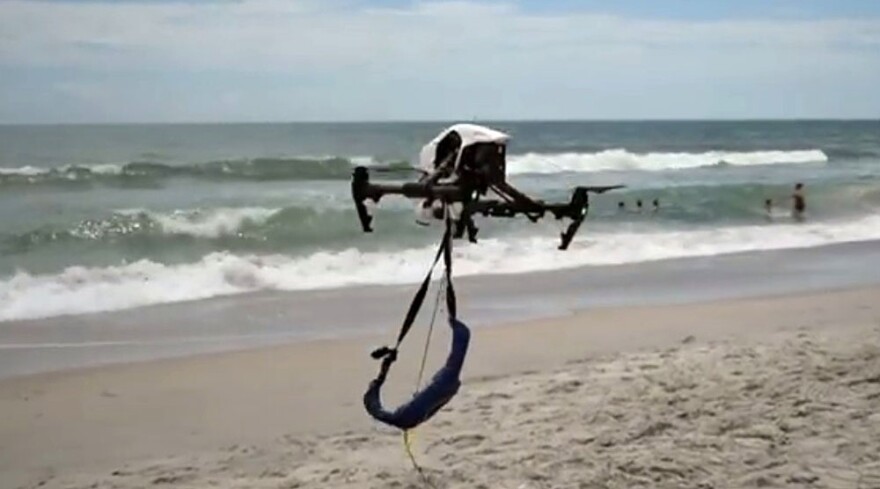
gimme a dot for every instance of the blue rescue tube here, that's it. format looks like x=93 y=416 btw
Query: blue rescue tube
x=425 y=403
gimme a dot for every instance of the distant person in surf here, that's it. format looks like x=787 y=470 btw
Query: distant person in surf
x=621 y=206
x=656 y=205
x=768 y=208
x=639 y=205
x=799 y=202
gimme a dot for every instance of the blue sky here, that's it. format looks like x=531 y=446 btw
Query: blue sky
x=290 y=60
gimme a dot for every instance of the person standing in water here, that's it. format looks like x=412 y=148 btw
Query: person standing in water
x=768 y=208
x=799 y=204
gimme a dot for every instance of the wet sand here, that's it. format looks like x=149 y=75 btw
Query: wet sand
x=771 y=392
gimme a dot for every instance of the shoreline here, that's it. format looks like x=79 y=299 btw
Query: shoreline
x=261 y=319
x=83 y=425
x=377 y=337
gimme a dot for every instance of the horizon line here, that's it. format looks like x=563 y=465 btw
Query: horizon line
x=445 y=121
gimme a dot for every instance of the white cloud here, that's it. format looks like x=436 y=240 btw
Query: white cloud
x=457 y=49
x=277 y=35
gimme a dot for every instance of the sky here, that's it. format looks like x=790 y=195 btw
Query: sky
x=87 y=61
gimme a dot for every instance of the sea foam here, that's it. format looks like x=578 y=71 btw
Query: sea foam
x=82 y=289
x=621 y=159
x=209 y=223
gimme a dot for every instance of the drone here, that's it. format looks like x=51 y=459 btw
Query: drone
x=459 y=168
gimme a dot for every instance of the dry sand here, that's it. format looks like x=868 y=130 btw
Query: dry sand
x=774 y=392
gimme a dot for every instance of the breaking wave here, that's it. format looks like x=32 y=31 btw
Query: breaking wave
x=197 y=223
x=269 y=169
x=620 y=159
x=332 y=223
x=80 y=289
x=247 y=229
x=211 y=223
x=259 y=169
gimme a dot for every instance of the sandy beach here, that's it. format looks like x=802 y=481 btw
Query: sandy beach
x=780 y=391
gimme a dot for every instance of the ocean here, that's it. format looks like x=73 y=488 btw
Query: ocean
x=111 y=217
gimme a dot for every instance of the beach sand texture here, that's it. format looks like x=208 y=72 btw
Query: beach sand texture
x=774 y=392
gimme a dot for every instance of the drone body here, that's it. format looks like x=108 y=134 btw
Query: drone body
x=460 y=166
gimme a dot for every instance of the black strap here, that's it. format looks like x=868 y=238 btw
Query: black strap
x=447 y=262
x=444 y=250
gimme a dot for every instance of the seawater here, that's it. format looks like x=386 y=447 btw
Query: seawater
x=97 y=218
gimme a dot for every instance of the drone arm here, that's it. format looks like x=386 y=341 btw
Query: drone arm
x=576 y=209
x=520 y=198
x=362 y=189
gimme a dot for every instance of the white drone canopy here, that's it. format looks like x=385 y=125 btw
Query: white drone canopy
x=457 y=137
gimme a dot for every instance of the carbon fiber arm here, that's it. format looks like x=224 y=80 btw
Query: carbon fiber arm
x=515 y=202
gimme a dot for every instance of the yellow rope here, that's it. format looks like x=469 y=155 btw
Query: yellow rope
x=440 y=289
x=407 y=443
x=407 y=434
